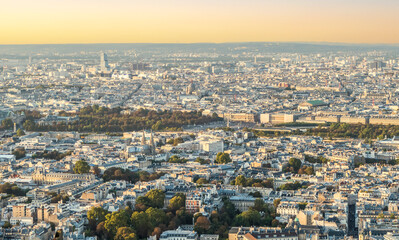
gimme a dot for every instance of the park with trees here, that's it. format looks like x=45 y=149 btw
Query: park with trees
x=102 y=119
x=150 y=218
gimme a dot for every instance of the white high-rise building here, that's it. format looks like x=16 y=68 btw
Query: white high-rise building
x=214 y=146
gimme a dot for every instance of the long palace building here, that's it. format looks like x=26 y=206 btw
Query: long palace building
x=40 y=176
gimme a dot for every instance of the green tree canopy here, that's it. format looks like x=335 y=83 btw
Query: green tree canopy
x=240 y=180
x=20 y=132
x=142 y=203
x=201 y=181
x=260 y=205
x=81 y=167
x=156 y=216
x=102 y=119
x=202 y=161
x=223 y=158
x=125 y=233
x=19 y=153
x=177 y=159
x=295 y=163
x=157 y=198
x=96 y=215
x=7 y=123
x=248 y=218
x=141 y=223
x=116 y=220
x=177 y=202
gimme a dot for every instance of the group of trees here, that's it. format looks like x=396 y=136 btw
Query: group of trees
x=294 y=165
x=31 y=114
x=115 y=173
x=201 y=181
x=308 y=170
x=175 y=141
x=202 y=161
x=222 y=158
x=377 y=161
x=56 y=197
x=260 y=133
x=253 y=217
x=261 y=214
x=81 y=167
x=51 y=155
x=177 y=159
x=252 y=182
x=102 y=119
x=6 y=124
x=19 y=153
x=339 y=130
x=150 y=218
x=318 y=159
x=363 y=131
x=293 y=186
x=12 y=189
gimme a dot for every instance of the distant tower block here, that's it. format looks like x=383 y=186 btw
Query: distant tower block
x=104 y=63
x=190 y=89
x=15 y=127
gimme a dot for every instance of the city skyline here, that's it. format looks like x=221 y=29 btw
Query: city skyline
x=199 y=120
x=176 y=21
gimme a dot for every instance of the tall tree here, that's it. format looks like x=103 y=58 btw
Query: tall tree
x=81 y=167
x=295 y=163
x=177 y=202
x=116 y=220
x=202 y=225
x=223 y=158
x=156 y=216
x=157 y=198
x=276 y=202
x=141 y=223
x=96 y=215
x=142 y=203
x=240 y=180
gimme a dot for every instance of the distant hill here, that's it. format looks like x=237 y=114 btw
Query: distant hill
x=220 y=48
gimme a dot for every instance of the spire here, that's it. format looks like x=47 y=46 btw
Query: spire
x=143 y=138
x=152 y=144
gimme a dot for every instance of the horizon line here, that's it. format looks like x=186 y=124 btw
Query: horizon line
x=176 y=43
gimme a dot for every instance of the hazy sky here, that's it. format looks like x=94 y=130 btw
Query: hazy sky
x=179 y=21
